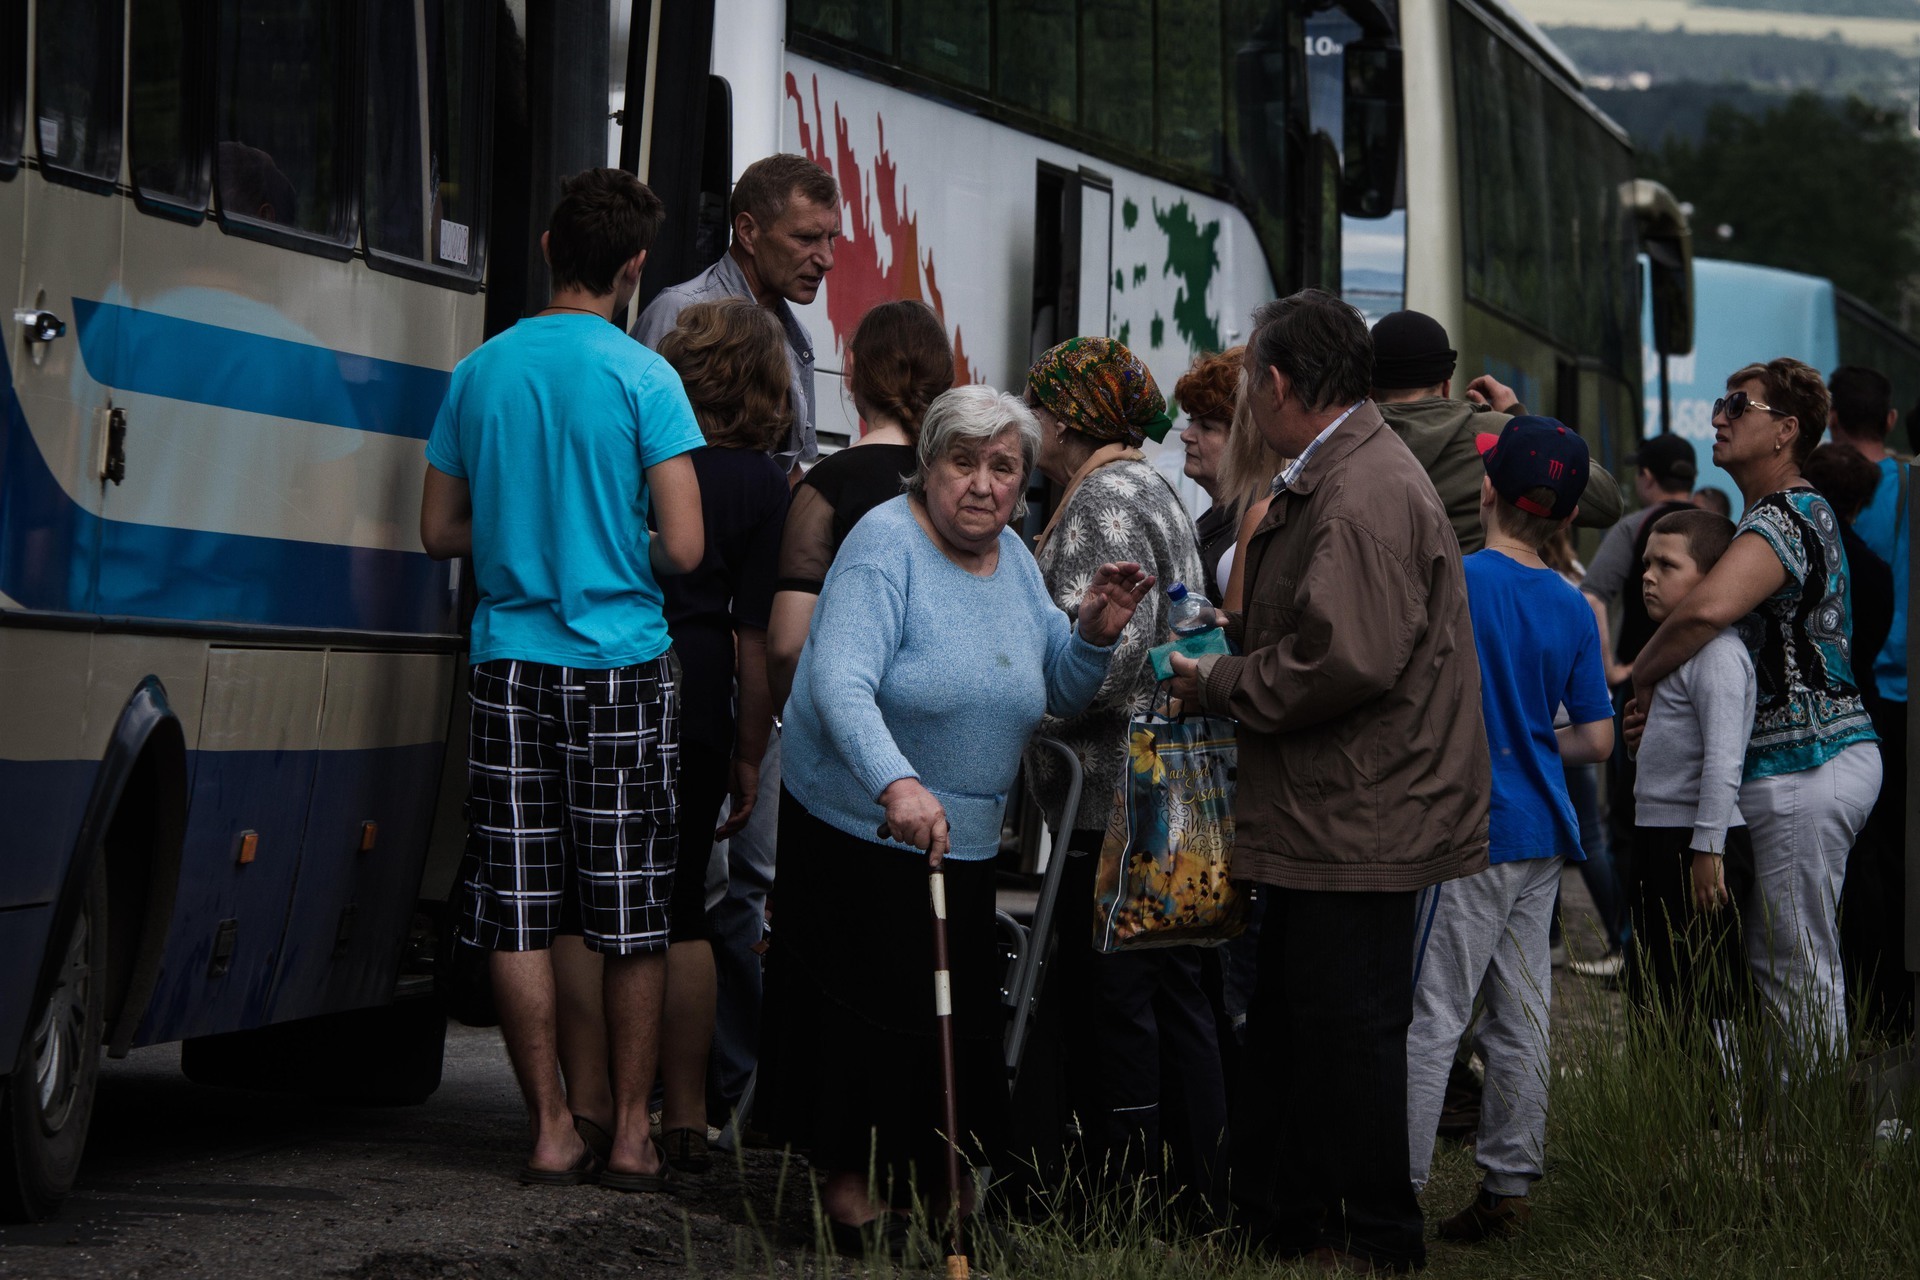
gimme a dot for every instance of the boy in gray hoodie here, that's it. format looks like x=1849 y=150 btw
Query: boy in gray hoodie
x=1688 y=834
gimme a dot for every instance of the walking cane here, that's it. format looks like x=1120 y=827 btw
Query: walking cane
x=943 y=1021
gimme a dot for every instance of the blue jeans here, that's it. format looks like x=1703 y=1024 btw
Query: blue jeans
x=737 y=924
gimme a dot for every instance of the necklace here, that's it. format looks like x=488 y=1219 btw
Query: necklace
x=555 y=306
x=1518 y=551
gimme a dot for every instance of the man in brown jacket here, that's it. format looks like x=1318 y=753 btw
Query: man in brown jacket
x=1363 y=778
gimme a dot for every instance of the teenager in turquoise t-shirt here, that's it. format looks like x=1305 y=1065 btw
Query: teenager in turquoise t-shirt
x=557 y=441
x=553 y=425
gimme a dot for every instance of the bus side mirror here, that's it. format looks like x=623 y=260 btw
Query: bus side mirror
x=1373 y=128
x=1667 y=238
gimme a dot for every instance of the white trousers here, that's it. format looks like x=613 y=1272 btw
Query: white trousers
x=1803 y=826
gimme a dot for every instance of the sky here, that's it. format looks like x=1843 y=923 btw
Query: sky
x=1814 y=20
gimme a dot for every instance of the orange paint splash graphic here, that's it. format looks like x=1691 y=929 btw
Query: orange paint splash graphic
x=859 y=282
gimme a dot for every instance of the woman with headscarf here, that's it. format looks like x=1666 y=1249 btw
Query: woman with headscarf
x=1140 y=1026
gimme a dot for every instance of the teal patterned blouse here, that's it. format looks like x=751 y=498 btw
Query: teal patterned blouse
x=1808 y=710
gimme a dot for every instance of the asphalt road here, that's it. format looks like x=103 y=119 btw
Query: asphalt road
x=187 y=1180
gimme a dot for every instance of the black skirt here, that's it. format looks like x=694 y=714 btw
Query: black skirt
x=849 y=1059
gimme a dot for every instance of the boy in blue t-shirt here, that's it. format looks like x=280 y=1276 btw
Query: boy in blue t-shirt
x=558 y=441
x=1487 y=935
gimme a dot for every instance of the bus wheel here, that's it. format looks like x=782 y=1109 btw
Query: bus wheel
x=46 y=1104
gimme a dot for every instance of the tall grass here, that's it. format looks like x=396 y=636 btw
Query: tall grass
x=1662 y=1162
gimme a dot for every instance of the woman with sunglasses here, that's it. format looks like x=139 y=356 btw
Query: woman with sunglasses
x=1813 y=767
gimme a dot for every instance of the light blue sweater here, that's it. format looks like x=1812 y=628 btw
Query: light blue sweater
x=915 y=668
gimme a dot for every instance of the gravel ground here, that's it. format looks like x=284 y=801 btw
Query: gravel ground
x=186 y=1180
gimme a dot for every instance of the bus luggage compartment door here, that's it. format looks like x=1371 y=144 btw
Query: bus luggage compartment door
x=252 y=783
x=376 y=783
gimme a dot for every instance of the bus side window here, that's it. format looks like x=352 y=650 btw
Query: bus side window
x=77 y=61
x=168 y=109
x=281 y=123
x=13 y=84
x=1116 y=73
x=948 y=40
x=1037 y=57
x=427 y=114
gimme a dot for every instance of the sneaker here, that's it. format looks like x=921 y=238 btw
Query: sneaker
x=1489 y=1217
x=1607 y=966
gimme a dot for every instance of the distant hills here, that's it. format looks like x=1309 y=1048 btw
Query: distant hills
x=1657 y=66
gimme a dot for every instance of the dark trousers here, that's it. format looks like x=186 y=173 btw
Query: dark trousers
x=1873 y=901
x=1320 y=1146
x=1693 y=962
x=1142 y=1053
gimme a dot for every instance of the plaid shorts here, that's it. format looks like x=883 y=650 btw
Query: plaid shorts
x=572 y=781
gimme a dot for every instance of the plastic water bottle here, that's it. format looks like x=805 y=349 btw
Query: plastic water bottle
x=1191 y=613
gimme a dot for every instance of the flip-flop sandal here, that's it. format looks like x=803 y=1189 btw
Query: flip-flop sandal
x=620 y=1180
x=598 y=1140
x=686 y=1150
x=582 y=1171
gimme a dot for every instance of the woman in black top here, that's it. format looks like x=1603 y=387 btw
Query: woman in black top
x=732 y=357
x=897 y=361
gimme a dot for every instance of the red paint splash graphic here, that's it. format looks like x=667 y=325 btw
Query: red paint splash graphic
x=859 y=282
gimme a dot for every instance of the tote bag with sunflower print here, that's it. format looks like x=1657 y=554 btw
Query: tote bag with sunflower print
x=1165 y=866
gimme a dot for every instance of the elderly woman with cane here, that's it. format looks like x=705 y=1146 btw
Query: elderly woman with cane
x=935 y=651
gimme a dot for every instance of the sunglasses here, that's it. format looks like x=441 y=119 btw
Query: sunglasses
x=1736 y=405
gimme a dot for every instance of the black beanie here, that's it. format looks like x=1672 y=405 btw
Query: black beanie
x=1410 y=350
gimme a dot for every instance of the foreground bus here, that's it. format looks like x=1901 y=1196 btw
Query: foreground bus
x=246 y=244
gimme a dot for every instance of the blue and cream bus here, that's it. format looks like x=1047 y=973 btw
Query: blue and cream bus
x=246 y=241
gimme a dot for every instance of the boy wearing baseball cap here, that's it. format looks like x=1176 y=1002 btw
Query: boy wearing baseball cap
x=1487 y=935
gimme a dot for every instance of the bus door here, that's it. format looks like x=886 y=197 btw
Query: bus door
x=64 y=462
x=1072 y=256
x=13 y=132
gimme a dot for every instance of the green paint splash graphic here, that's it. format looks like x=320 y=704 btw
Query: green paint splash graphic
x=1119 y=281
x=1193 y=256
x=1157 y=332
x=1125 y=336
x=1140 y=273
x=1129 y=213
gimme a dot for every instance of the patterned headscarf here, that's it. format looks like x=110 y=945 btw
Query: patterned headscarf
x=1097 y=386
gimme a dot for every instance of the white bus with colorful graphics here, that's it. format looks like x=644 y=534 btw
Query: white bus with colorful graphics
x=1033 y=171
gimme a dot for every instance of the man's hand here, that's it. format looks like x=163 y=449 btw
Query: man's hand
x=914 y=817
x=742 y=793
x=1709 y=881
x=1489 y=391
x=1185 y=685
x=1112 y=596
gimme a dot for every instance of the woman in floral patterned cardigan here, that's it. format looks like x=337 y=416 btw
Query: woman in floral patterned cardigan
x=1139 y=1027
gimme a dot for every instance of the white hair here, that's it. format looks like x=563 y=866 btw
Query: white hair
x=975 y=413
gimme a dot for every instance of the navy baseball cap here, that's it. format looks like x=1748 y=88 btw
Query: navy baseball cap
x=1536 y=453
